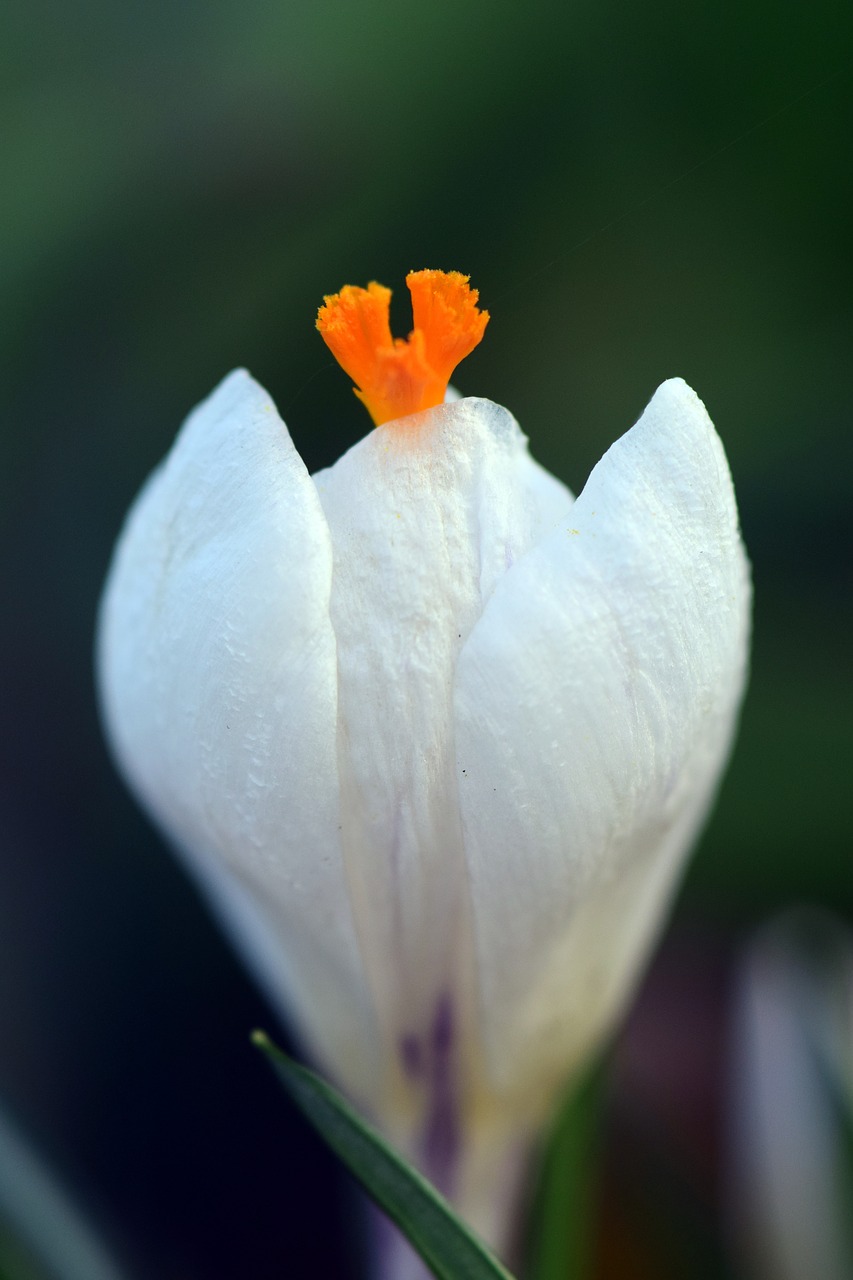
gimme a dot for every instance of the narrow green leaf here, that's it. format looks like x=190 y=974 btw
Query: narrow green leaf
x=561 y=1228
x=447 y=1246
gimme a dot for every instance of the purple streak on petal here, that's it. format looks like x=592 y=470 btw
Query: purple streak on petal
x=442 y=1028
x=412 y=1055
x=442 y=1131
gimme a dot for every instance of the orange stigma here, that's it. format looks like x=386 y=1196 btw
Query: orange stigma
x=398 y=376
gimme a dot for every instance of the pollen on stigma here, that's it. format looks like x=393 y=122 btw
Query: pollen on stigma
x=398 y=376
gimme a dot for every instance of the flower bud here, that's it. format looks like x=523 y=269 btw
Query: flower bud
x=433 y=736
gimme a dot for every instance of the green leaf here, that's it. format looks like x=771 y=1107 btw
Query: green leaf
x=563 y=1215
x=447 y=1246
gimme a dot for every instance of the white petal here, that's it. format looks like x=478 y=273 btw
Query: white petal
x=218 y=678
x=595 y=706
x=426 y=517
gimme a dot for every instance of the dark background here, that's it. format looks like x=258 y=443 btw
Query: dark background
x=637 y=191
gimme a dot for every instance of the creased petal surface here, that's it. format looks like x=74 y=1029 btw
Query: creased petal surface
x=426 y=517
x=595 y=702
x=219 y=685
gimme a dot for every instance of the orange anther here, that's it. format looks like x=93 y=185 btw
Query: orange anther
x=395 y=376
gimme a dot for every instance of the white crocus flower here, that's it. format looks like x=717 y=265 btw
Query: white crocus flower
x=434 y=736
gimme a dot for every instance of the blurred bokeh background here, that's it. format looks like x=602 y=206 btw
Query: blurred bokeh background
x=638 y=191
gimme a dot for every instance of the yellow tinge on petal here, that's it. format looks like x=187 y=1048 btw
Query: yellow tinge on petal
x=398 y=376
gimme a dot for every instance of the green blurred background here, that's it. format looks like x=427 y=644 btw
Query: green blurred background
x=637 y=191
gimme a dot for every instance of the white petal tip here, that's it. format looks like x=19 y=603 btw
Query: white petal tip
x=237 y=387
x=676 y=394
